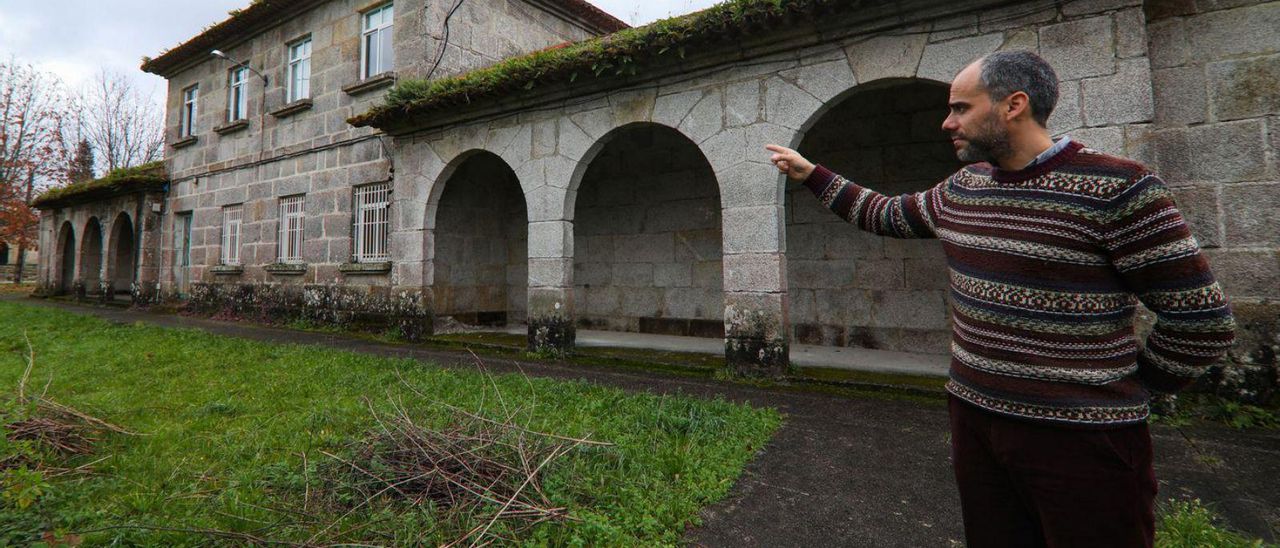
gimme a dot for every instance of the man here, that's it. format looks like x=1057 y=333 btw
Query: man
x=1049 y=247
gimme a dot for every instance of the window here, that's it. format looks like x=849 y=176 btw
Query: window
x=290 y=250
x=187 y=119
x=299 y=70
x=237 y=98
x=376 y=55
x=372 y=208
x=231 y=235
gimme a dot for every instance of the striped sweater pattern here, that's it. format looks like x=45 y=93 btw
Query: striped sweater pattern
x=1047 y=266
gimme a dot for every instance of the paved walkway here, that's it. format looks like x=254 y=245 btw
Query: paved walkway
x=849 y=471
x=803 y=355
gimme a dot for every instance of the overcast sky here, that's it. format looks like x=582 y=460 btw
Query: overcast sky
x=76 y=38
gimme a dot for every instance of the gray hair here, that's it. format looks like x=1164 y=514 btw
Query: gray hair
x=1006 y=72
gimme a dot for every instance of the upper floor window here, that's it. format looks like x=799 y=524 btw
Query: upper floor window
x=299 y=70
x=376 y=54
x=187 y=119
x=231 y=234
x=290 y=229
x=237 y=96
x=372 y=222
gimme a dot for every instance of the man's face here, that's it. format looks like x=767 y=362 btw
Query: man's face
x=977 y=130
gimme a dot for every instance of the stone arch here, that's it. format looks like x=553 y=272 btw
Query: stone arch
x=65 y=258
x=121 y=254
x=477 y=229
x=647 y=234
x=90 y=263
x=848 y=287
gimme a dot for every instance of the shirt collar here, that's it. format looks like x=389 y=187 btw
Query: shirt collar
x=1058 y=146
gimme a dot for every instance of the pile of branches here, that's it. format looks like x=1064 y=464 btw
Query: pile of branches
x=467 y=466
x=37 y=426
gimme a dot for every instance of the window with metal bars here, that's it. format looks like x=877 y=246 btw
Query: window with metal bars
x=290 y=249
x=231 y=235
x=372 y=222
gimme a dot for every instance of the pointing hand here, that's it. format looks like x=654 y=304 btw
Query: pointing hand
x=790 y=162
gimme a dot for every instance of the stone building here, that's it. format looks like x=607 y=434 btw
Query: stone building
x=631 y=191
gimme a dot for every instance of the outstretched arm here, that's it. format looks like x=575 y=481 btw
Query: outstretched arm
x=905 y=216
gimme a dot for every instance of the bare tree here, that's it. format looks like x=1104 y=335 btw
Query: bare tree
x=124 y=126
x=33 y=109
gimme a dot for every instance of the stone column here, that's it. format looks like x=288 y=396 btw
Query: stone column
x=756 y=322
x=551 y=310
x=146 y=285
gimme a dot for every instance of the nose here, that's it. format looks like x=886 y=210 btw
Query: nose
x=950 y=123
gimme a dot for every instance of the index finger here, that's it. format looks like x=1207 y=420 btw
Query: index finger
x=777 y=148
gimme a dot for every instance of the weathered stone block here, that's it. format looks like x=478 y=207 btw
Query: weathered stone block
x=1066 y=115
x=942 y=60
x=829 y=274
x=886 y=57
x=1105 y=139
x=750 y=184
x=673 y=274
x=913 y=309
x=671 y=109
x=1131 y=32
x=544 y=138
x=742 y=103
x=787 y=105
x=824 y=81
x=1079 y=49
x=879 y=274
x=1199 y=206
x=550 y=239
x=1180 y=96
x=1122 y=98
x=912 y=249
x=644 y=248
x=1252 y=214
x=1228 y=152
x=1085 y=7
x=1026 y=39
x=842 y=307
x=633 y=274
x=549 y=272
x=755 y=229
x=1245 y=88
x=754 y=272
x=1025 y=14
x=705 y=119
x=1234 y=32
x=641 y=302
x=1246 y=273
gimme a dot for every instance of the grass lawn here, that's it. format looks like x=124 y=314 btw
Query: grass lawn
x=226 y=426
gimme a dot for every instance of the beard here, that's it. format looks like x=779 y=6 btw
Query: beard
x=988 y=142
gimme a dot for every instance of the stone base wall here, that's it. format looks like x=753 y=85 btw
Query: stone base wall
x=363 y=308
x=29 y=272
x=1216 y=141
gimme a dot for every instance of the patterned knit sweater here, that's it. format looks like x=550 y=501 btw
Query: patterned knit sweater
x=1047 y=266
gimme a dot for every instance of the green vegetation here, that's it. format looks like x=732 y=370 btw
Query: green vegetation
x=1191 y=408
x=143 y=177
x=1189 y=524
x=232 y=437
x=617 y=54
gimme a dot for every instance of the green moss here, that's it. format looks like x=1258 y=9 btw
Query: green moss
x=617 y=54
x=143 y=177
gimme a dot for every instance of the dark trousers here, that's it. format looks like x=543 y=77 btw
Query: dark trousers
x=1029 y=484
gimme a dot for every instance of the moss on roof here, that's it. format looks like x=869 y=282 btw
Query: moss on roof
x=620 y=53
x=150 y=176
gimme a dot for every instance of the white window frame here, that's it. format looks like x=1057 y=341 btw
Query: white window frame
x=299 y=70
x=376 y=52
x=371 y=232
x=238 y=94
x=289 y=251
x=231 y=218
x=190 y=103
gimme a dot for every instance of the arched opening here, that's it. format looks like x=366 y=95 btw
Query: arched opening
x=91 y=257
x=66 y=255
x=647 y=236
x=4 y=253
x=122 y=255
x=481 y=244
x=851 y=288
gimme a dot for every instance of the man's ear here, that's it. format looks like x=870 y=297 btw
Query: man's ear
x=1017 y=104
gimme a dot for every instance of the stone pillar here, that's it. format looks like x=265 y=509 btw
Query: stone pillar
x=755 y=315
x=146 y=285
x=551 y=310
